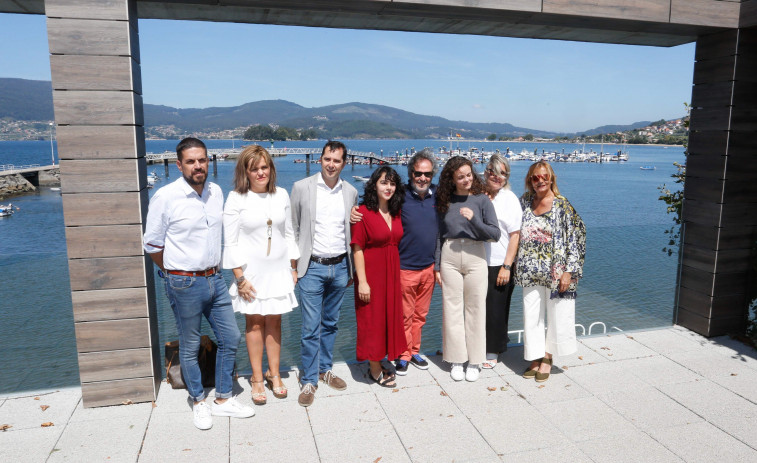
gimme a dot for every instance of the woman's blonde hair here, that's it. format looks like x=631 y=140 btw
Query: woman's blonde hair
x=250 y=156
x=550 y=171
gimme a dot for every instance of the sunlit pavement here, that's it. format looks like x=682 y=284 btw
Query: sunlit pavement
x=652 y=396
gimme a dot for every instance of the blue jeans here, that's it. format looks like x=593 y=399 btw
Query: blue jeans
x=191 y=298
x=321 y=294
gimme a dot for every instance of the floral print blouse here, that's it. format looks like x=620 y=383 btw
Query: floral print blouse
x=550 y=244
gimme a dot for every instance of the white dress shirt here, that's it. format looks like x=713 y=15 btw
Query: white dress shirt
x=328 y=236
x=187 y=227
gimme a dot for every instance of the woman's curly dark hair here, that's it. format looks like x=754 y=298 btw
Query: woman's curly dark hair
x=447 y=183
x=370 y=195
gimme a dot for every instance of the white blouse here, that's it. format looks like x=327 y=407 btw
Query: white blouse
x=509 y=217
x=245 y=233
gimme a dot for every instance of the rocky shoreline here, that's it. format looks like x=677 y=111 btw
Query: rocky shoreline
x=16 y=184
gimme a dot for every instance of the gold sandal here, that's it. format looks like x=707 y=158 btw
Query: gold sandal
x=279 y=392
x=259 y=398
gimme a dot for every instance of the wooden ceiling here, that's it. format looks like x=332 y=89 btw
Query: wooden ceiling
x=638 y=22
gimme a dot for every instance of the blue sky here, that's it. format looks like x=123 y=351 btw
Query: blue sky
x=537 y=84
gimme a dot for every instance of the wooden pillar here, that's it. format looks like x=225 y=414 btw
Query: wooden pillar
x=94 y=59
x=720 y=208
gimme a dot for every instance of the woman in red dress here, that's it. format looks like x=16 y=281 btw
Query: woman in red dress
x=378 y=300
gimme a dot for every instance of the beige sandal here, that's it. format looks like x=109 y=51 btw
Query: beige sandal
x=259 y=398
x=279 y=392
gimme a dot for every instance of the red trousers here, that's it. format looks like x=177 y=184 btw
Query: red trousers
x=417 y=287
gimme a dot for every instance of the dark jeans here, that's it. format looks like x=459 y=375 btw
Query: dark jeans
x=497 y=312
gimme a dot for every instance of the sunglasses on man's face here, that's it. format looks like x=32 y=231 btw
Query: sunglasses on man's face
x=543 y=177
x=418 y=174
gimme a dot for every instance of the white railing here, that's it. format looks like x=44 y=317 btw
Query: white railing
x=578 y=326
x=13 y=167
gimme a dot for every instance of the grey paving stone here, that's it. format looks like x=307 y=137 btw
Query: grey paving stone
x=617 y=347
x=277 y=421
x=377 y=443
x=31 y=445
x=117 y=439
x=513 y=425
x=560 y=454
x=722 y=369
x=606 y=377
x=26 y=412
x=355 y=376
x=728 y=411
x=659 y=370
x=354 y=411
x=666 y=341
x=478 y=396
x=171 y=452
x=113 y=412
x=449 y=439
x=585 y=419
x=281 y=450
x=174 y=434
x=705 y=443
x=417 y=404
x=647 y=408
x=736 y=350
x=559 y=387
x=583 y=356
x=631 y=448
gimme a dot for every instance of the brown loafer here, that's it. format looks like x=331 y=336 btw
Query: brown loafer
x=541 y=377
x=333 y=380
x=307 y=395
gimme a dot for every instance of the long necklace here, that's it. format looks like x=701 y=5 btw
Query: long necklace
x=269 y=222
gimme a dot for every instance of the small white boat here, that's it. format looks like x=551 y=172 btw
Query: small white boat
x=7 y=210
x=648 y=168
x=152 y=177
x=360 y=179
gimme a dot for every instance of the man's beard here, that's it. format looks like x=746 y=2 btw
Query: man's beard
x=192 y=181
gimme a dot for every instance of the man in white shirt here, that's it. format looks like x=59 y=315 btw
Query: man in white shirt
x=183 y=238
x=320 y=208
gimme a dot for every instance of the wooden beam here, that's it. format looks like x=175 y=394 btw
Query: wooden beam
x=86 y=72
x=109 y=304
x=100 y=176
x=107 y=273
x=98 y=107
x=116 y=364
x=100 y=142
x=124 y=391
x=112 y=335
x=92 y=37
x=111 y=208
x=104 y=241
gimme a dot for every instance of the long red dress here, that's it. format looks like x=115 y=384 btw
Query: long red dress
x=380 y=330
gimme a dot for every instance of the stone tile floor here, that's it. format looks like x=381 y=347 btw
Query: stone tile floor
x=657 y=396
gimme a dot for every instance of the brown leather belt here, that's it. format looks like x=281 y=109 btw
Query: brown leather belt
x=197 y=273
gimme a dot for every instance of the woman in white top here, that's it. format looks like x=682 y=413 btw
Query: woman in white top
x=260 y=249
x=500 y=257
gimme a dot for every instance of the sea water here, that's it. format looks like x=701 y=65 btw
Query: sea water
x=628 y=284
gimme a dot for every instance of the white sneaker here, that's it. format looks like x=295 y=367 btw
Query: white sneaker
x=203 y=418
x=471 y=373
x=457 y=372
x=233 y=409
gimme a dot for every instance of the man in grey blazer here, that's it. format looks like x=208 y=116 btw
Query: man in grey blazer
x=320 y=218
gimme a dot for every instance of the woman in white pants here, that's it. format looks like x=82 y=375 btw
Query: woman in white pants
x=550 y=262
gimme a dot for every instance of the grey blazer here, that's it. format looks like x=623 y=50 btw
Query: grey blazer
x=303 y=218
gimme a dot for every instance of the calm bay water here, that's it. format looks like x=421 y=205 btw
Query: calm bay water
x=628 y=283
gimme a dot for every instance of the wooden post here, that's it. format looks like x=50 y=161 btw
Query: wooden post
x=215 y=166
x=98 y=109
x=165 y=166
x=307 y=164
x=720 y=212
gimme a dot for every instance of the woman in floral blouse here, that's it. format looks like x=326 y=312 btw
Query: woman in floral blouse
x=550 y=261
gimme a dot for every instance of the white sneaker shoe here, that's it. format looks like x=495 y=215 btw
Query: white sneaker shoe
x=233 y=409
x=471 y=373
x=457 y=372
x=203 y=418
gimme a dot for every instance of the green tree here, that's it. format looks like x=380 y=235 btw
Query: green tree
x=492 y=137
x=674 y=200
x=528 y=137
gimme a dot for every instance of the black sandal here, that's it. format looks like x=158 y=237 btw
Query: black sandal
x=384 y=379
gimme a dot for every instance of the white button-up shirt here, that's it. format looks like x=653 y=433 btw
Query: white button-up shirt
x=328 y=236
x=187 y=227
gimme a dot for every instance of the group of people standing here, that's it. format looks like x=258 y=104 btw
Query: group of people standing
x=469 y=235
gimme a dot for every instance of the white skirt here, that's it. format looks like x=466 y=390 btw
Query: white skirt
x=268 y=306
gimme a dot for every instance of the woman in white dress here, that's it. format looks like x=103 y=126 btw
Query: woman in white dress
x=260 y=249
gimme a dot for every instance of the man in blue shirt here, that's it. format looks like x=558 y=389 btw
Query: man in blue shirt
x=416 y=254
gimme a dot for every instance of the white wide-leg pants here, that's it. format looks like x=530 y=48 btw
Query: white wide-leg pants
x=560 y=338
